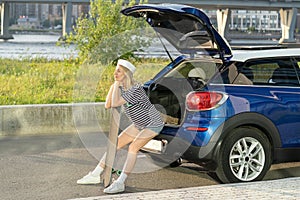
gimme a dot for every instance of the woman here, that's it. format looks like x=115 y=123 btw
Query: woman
x=146 y=123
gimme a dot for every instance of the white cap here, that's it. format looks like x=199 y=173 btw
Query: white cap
x=127 y=65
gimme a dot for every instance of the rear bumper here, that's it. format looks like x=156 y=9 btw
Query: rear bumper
x=178 y=148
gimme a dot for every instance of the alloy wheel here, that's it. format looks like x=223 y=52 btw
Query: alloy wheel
x=247 y=159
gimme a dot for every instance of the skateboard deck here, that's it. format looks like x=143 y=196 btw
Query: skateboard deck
x=111 y=146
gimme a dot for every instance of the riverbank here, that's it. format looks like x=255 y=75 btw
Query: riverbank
x=42 y=81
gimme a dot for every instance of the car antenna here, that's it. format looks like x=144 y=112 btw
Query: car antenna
x=164 y=47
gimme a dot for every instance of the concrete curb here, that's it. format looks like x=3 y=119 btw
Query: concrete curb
x=53 y=118
x=287 y=188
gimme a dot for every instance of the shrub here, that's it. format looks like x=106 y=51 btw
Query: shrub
x=93 y=33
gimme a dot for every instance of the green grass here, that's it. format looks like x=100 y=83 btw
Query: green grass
x=41 y=81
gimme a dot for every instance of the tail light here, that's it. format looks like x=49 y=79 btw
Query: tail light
x=197 y=101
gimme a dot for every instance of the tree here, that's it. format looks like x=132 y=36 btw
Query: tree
x=105 y=34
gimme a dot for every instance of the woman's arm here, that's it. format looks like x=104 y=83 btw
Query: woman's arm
x=109 y=97
x=116 y=98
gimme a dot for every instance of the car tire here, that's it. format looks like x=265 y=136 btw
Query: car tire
x=244 y=156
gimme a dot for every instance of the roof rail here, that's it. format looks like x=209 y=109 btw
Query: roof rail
x=258 y=47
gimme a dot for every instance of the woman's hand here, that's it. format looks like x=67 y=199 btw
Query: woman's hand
x=116 y=98
x=108 y=99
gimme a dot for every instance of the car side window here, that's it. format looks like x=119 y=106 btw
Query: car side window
x=297 y=64
x=281 y=72
x=262 y=71
x=231 y=75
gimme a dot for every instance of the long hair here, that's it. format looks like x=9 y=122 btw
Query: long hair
x=129 y=81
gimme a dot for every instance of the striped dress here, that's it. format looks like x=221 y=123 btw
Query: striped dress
x=139 y=109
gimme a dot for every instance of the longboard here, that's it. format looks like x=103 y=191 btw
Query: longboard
x=111 y=146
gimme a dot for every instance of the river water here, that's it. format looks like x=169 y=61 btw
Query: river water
x=45 y=46
x=35 y=46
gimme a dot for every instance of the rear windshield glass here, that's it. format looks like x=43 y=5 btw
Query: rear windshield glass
x=192 y=75
x=195 y=69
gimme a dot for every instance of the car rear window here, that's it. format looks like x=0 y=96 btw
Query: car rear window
x=183 y=70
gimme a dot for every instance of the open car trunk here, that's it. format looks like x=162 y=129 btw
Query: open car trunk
x=188 y=29
x=169 y=92
x=170 y=102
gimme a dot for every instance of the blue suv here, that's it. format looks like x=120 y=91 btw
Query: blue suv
x=235 y=112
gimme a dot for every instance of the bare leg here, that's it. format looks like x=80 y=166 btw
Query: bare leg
x=141 y=139
x=127 y=136
x=124 y=138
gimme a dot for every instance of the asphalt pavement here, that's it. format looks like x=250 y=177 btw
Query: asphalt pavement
x=287 y=188
x=47 y=167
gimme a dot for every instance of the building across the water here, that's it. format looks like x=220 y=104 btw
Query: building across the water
x=240 y=20
x=48 y=15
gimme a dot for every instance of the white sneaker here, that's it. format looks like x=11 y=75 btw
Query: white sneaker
x=115 y=187
x=89 y=179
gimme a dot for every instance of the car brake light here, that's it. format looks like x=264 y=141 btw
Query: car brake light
x=200 y=129
x=198 y=101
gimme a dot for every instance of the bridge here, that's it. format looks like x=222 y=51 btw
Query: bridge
x=288 y=10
